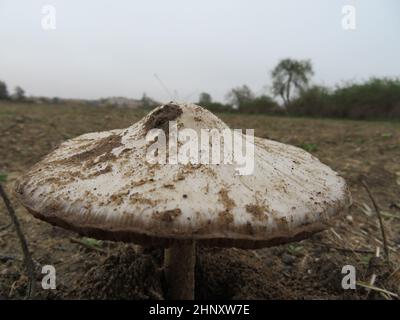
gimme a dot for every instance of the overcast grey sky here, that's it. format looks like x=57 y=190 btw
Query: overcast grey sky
x=113 y=48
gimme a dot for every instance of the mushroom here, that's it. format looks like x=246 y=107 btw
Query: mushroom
x=102 y=185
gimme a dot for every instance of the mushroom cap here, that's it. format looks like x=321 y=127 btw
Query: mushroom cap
x=101 y=185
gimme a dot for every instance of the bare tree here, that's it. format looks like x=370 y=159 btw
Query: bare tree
x=19 y=93
x=240 y=96
x=290 y=75
x=3 y=91
x=205 y=99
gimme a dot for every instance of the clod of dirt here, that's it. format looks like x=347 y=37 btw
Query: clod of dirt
x=126 y=275
x=235 y=274
x=220 y=274
x=161 y=117
x=288 y=259
x=329 y=275
x=102 y=148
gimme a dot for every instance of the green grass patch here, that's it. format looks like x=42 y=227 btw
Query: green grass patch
x=92 y=242
x=309 y=147
x=3 y=177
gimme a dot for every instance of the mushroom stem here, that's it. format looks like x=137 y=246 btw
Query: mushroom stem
x=179 y=263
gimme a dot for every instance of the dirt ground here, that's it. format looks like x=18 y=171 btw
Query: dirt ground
x=310 y=269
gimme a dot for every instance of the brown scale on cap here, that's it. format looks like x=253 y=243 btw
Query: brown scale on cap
x=225 y=217
x=101 y=148
x=168 y=215
x=226 y=200
x=259 y=212
x=161 y=117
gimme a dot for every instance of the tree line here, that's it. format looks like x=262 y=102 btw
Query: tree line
x=18 y=94
x=292 y=94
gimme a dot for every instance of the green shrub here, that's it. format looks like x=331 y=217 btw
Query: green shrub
x=373 y=99
x=262 y=104
x=217 y=107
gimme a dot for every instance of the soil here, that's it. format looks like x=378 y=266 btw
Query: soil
x=309 y=269
x=160 y=118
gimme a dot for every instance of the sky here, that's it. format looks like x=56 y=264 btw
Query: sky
x=176 y=49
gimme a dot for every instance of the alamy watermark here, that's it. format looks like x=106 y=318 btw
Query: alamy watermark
x=49 y=21
x=49 y=278
x=348 y=17
x=210 y=146
x=349 y=280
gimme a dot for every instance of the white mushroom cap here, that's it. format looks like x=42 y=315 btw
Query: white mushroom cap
x=101 y=185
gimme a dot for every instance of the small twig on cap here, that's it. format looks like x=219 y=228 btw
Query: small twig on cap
x=378 y=213
x=87 y=245
x=28 y=261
